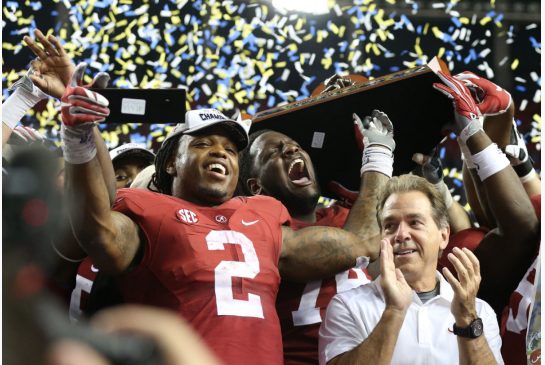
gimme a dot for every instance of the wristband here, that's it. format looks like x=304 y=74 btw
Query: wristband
x=527 y=177
x=18 y=104
x=377 y=159
x=489 y=161
x=78 y=143
x=471 y=129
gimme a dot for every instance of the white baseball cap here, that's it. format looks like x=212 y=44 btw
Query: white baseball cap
x=197 y=120
x=132 y=149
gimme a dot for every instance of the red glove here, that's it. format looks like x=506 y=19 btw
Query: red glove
x=467 y=116
x=80 y=105
x=490 y=98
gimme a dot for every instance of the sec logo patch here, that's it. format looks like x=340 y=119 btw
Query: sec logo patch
x=187 y=216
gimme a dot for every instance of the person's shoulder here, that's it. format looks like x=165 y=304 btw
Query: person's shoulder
x=136 y=192
x=259 y=201
x=262 y=199
x=362 y=293
x=141 y=197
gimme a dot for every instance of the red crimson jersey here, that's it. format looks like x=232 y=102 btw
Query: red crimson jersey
x=469 y=238
x=79 y=300
x=216 y=266
x=514 y=320
x=301 y=307
x=93 y=291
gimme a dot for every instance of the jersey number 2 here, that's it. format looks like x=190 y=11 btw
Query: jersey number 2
x=249 y=268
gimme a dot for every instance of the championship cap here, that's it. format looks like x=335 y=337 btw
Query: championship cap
x=200 y=119
x=132 y=149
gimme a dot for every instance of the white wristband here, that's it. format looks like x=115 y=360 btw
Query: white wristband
x=471 y=129
x=489 y=161
x=78 y=143
x=17 y=105
x=528 y=177
x=377 y=159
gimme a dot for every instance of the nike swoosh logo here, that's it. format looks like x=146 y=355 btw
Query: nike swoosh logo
x=93 y=268
x=250 y=223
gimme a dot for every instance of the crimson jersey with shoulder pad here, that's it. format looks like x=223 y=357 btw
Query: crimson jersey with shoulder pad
x=514 y=320
x=85 y=278
x=216 y=266
x=301 y=307
x=93 y=291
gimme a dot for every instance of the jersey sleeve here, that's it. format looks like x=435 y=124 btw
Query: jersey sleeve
x=127 y=201
x=339 y=332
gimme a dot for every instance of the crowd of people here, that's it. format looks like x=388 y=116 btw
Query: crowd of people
x=213 y=249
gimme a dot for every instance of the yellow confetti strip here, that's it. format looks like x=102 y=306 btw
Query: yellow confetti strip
x=515 y=64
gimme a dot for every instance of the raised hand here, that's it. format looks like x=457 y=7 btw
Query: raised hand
x=467 y=116
x=52 y=69
x=376 y=129
x=491 y=99
x=465 y=287
x=397 y=293
x=516 y=150
x=80 y=105
x=336 y=82
x=430 y=166
x=27 y=134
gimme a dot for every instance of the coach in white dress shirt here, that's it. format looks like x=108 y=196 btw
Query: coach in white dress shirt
x=410 y=314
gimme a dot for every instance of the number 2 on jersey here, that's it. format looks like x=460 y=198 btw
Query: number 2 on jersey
x=226 y=304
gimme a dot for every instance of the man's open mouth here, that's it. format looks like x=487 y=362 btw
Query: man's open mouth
x=217 y=168
x=298 y=173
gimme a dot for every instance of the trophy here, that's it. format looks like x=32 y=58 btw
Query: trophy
x=323 y=124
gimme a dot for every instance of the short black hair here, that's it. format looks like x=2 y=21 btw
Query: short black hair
x=246 y=163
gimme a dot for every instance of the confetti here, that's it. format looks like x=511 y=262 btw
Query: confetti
x=251 y=56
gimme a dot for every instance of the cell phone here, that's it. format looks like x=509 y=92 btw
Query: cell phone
x=149 y=106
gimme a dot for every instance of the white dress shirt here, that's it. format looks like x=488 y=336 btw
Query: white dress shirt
x=426 y=334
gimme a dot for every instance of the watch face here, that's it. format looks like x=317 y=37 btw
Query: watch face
x=477 y=327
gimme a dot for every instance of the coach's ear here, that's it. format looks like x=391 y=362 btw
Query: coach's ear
x=253 y=186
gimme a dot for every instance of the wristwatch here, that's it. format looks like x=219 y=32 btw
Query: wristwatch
x=474 y=330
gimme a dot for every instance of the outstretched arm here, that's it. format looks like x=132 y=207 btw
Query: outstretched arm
x=431 y=169
x=317 y=252
x=517 y=233
x=377 y=134
x=110 y=238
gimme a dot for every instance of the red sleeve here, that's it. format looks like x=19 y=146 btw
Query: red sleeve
x=469 y=238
